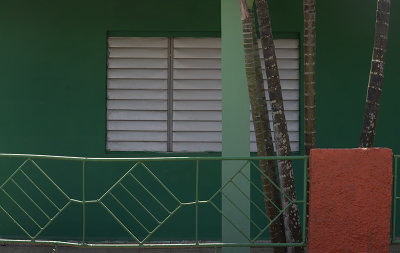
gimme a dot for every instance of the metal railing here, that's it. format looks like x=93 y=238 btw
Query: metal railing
x=27 y=173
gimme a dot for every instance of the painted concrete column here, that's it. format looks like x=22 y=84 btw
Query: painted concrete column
x=350 y=200
x=235 y=126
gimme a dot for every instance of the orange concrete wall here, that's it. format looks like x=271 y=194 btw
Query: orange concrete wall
x=350 y=200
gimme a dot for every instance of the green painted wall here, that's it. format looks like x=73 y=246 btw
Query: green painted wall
x=53 y=63
x=53 y=77
x=345 y=33
x=53 y=66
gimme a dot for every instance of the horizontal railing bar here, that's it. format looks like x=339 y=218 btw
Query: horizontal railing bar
x=194 y=202
x=86 y=201
x=154 y=159
x=154 y=245
x=41 y=156
x=91 y=201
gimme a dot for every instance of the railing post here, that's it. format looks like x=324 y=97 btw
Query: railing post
x=197 y=202
x=83 y=204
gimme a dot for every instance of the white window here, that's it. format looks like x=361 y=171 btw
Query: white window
x=164 y=94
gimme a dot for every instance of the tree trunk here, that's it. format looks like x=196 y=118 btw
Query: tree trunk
x=309 y=74
x=261 y=123
x=376 y=74
x=309 y=46
x=281 y=137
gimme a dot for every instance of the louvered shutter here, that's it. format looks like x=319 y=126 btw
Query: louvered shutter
x=140 y=99
x=137 y=94
x=197 y=93
x=197 y=117
x=287 y=54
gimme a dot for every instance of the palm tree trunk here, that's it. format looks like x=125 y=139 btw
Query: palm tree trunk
x=281 y=137
x=309 y=46
x=261 y=123
x=309 y=75
x=368 y=131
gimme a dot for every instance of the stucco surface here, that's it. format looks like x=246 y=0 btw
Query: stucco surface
x=350 y=200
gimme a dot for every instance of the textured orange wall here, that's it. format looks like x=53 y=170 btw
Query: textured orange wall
x=350 y=200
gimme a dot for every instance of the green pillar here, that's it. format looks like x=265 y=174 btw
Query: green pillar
x=235 y=126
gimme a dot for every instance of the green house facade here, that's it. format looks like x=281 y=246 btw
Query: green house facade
x=166 y=79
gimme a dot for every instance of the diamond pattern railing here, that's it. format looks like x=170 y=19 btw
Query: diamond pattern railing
x=11 y=180
x=24 y=208
x=119 y=183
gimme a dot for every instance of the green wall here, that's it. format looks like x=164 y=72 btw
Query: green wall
x=53 y=66
x=345 y=33
x=53 y=63
x=53 y=74
x=53 y=77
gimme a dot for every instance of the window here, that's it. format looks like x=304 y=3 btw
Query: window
x=164 y=94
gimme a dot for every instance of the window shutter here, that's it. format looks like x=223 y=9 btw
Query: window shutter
x=137 y=94
x=165 y=94
x=197 y=117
